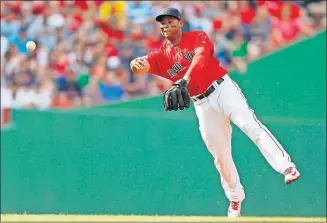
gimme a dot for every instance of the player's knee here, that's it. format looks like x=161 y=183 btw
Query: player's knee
x=205 y=137
x=252 y=129
x=246 y=128
x=217 y=163
x=242 y=123
x=256 y=134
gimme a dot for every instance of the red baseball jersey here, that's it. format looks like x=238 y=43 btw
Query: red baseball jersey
x=172 y=62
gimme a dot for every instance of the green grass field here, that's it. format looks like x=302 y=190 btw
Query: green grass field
x=139 y=218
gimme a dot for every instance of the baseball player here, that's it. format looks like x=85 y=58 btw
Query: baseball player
x=187 y=59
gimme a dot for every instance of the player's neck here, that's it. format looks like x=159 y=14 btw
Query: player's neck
x=175 y=40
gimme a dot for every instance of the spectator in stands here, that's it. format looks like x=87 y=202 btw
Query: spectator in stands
x=290 y=22
x=139 y=12
x=20 y=40
x=9 y=24
x=84 y=47
x=70 y=94
x=260 y=34
x=200 y=22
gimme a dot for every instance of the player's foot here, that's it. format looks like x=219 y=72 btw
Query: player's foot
x=291 y=175
x=234 y=210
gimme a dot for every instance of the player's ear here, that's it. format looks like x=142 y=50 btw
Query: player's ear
x=181 y=23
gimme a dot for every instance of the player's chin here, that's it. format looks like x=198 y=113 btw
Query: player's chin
x=167 y=34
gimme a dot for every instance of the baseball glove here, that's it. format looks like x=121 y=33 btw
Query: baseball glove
x=177 y=96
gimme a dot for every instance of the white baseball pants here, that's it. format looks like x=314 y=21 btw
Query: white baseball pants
x=227 y=103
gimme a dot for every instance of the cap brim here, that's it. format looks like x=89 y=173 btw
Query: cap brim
x=159 y=17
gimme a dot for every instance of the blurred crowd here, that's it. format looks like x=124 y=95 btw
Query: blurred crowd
x=84 y=47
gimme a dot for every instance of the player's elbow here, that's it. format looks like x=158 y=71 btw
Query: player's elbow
x=202 y=59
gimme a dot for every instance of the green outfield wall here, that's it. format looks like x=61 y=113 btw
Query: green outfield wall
x=134 y=158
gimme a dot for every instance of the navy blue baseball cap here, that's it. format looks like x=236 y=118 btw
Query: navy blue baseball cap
x=169 y=12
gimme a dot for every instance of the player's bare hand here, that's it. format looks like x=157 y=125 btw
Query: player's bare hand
x=140 y=65
x=139 y=62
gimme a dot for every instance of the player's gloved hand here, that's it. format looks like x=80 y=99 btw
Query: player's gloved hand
x=177 y=96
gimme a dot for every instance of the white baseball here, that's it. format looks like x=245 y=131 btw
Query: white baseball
x=30 y=45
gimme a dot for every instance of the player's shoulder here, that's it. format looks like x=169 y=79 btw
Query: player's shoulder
x=158 y=52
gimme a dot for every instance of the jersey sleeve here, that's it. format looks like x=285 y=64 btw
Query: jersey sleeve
x=199 y=62
x=153 y=59
x=203 y=40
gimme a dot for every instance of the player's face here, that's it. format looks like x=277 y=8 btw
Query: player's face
x=170 y=26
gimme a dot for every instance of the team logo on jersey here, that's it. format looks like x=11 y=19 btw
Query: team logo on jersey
x=177 y=67
x=189 y=56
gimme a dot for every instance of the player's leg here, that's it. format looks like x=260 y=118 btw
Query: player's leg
x=216 y=133
x=236 y=107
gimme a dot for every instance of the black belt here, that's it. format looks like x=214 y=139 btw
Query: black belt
x=209 y=91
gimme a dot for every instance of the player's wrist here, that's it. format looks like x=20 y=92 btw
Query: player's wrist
x=187 y=77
